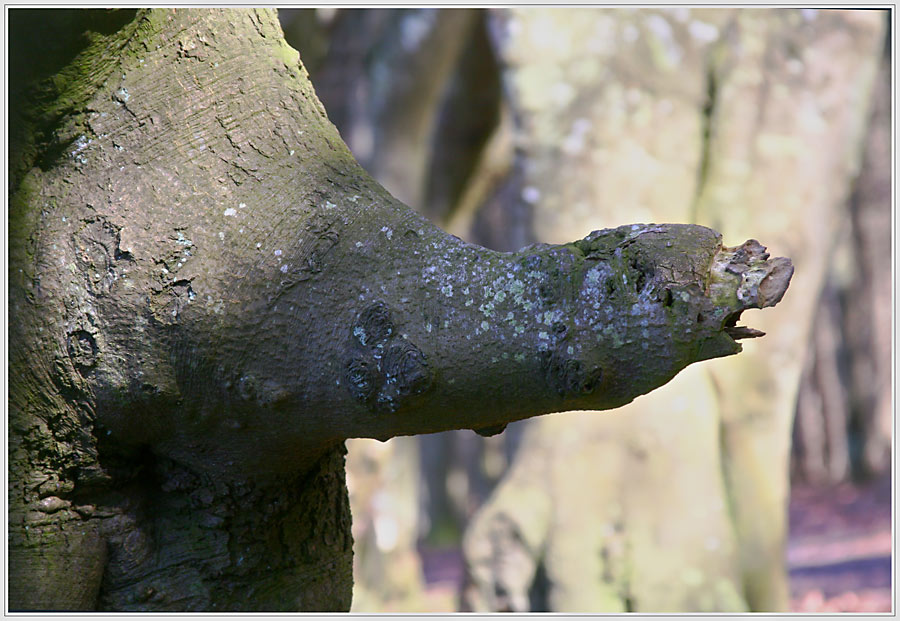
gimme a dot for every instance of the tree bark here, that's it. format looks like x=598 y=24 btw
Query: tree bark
x=208 y=295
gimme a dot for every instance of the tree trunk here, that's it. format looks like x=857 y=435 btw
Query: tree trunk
x=208 y=295
x=858 y=411
x=740 y=119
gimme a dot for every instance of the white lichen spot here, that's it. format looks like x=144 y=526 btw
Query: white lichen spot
x=499 y=296
x=487 y=308
x=123 y=94
x=466 y=291
x=428 y=327
x=360 y=334
x=570 y=349
x=292 y=152
x=485 y=326
x=509 y=316
x=81 y=143
x=469 y=302
x=359 y=244
x=329 y=205
x=592 y=278
x=258 y=244
x=543 y=335
x=531 y=194
x=447 y=290
x=284 y=268
x=221 y=235
x=517 y=289
x=231 y=211
x=520 y=329
x=278 y=253
x=552 y=316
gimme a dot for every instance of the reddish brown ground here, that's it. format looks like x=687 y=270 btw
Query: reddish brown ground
x=839 y=549
x=839 y=552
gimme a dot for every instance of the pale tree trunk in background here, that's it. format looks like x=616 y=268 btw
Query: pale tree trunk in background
x=803 y=146
x=853 y=331
x=820 y=452
x=869 y=316
x=744 y=119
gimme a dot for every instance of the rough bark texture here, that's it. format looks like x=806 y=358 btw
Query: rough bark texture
x=208 y=295
x=738 y=119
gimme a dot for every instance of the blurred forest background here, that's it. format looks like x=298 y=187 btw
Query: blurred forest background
x=757 y=482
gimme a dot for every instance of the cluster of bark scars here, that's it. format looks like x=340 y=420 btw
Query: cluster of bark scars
x=383 y=368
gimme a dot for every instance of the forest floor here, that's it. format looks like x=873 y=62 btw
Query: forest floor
x=839 y=548
x=839 y=552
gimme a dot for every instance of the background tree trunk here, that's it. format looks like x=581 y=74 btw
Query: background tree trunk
x=856 y=309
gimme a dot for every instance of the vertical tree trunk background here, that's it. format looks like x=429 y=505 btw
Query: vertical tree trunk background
x=847 y=385
x=750 y=121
